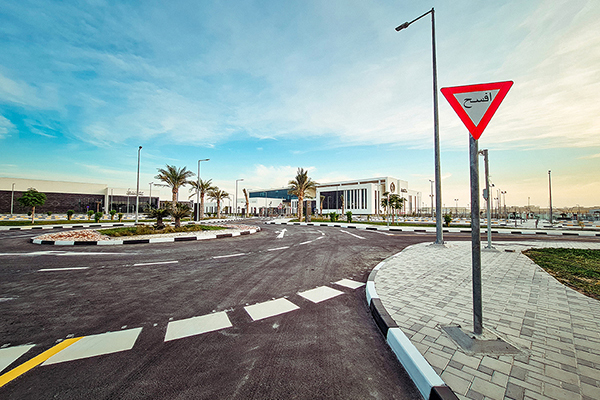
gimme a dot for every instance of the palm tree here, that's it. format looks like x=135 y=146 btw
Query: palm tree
x=174 y=178
x=299 y=186
x=181 y=210
x=205 y=187
x=217 y=194
x=247 y=203
x=396 y=202
x=159 y=214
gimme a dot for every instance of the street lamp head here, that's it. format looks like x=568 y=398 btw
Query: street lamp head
x=140 y=148
x=403 y=26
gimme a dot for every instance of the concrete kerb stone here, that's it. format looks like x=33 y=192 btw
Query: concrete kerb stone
x=430 y=385
x=432 y=229
x=138 y=241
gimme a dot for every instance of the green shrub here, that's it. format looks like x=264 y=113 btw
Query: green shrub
x=70 y=214
x=333 y=216
x=120 y=216
x=49 y=213
x=98 y=216
x=349 y=216
x=90 y=213
x=448 y=219
x=112 y=214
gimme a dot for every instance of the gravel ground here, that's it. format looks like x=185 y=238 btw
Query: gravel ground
x=94 y=235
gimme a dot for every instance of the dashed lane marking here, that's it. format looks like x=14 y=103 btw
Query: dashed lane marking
x=349 y=283
x=279 y=248
x=37 y=360
x=61 y=269
x=352 y=234
x=270 y=308
x=97 y=345
x=320 y=294
x=10 y=354
x=155 y=263
x=197 y=325
x=231 y=255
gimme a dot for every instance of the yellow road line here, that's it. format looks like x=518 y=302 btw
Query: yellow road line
x=35 y=361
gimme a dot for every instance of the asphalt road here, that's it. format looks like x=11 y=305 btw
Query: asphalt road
x=330 y=349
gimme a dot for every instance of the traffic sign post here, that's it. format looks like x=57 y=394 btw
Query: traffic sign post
x=475 y=106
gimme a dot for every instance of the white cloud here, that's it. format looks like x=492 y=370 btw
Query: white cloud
x=6 y=127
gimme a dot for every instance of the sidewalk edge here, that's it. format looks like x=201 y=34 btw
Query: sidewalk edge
x=430 y=385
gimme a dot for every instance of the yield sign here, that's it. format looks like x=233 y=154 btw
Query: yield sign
x=476 y=104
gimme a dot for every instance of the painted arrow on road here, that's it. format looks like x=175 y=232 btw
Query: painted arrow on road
x=280 y=236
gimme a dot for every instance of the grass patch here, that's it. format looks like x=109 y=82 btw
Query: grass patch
x=150 y=230
x=576 y=268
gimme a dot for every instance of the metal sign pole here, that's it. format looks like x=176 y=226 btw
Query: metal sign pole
x=486 y=196
x=475 y=236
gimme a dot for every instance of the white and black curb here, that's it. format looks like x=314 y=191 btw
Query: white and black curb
x=142 y=241
x=431 y=386
x=416 y=229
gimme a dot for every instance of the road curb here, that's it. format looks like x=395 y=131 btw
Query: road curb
x=430 y=385
x=432 y=230
x=141 y=241
x=98 y=225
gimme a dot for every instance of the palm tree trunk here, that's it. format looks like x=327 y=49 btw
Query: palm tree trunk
x=174 y=202
x=218 y=208
x=300 y=205
x=202 y=205
x=32 y=214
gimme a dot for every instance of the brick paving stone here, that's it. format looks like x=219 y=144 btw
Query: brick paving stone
x=557 y=328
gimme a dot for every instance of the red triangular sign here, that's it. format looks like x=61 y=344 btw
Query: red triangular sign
x=476 y=104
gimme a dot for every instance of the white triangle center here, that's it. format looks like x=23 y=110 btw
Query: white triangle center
x=475 y=104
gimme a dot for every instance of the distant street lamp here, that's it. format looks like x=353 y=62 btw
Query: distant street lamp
x=550 y=193
x=198 y=190
x=431 y=195
x=150 y=197
x=12 y=199
x=137 y=193
x=456 y=207
x=436 y=135
x=236 y=195
x=504 y=201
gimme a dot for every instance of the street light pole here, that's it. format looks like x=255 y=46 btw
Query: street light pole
x=150 y=197
x=431 y=195
x=137 y=193
x=456 y=207
x=550 y=193
x=486 y=196
x=436 y=135
x=198 y=191
x=236 y=194
x=12 y=199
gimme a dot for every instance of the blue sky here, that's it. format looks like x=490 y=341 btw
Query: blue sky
x=264 y=87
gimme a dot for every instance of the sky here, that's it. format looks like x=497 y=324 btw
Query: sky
x=262 y=88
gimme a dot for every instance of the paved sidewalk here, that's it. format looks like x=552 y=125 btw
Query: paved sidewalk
x=556 y=328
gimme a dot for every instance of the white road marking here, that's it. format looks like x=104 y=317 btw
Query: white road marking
x=155 y=263
x=61 y=269
x=97 y=345
x=280 y=236
x=60 y=253
x=322 y=234
x=349 y=283
x=352 y=234
x=384 y=233
x=231 y=255
x=310 y=241
x=320 y=294
x=270 y=308
x=10 y=354
x=279 y=248
x=197 y=325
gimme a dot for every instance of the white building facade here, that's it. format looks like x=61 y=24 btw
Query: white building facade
x=363 y=197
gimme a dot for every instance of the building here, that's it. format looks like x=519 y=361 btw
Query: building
x=363 y=196
x=269 y=202
x=77 y=196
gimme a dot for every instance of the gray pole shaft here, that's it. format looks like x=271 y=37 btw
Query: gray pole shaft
x=436 y=141
x=475 y=237
x=550 y=192
x=198 y=195
x=12 y=199
x=487 y=189
x=137 y=193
